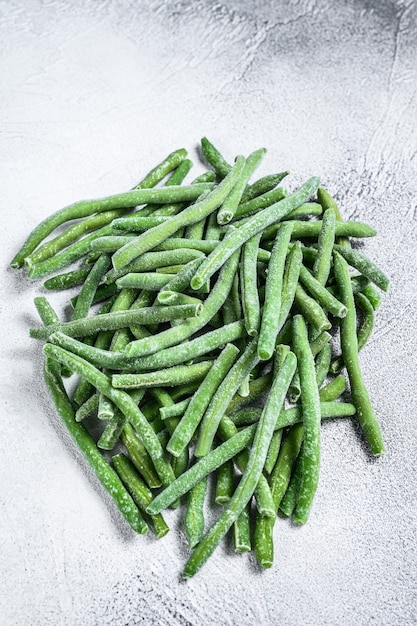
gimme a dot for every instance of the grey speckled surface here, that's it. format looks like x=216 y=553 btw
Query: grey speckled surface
x=92 y=94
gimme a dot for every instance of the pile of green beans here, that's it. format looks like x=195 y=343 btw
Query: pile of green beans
x=201 y=343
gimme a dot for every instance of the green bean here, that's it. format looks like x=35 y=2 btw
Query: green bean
x=89 y=288
x=173 y=160
x=333 y=389
x=263 y=185
x=213 y=231
x=328 y=202
x=321 y=269
x=86 y=445
x=150 y=281
x=153 y=260
x=110 y=243
x=181 y=281
x=175 y=298
x=230 y=205
x=139 y=457
x=103 y=293
x=176 y=178
x=176 y=355
x=310 y=404
x=273 y=451
x=323 y=361
x=241 y=532
x=134 y=223
x=364 y=331
x=263 y=542
x=194 y=517
x=232 y=447
x=123 y=401
x=308 y=209
x=85 y=208
x=364 y=265
x=260 y=202
x=113 y=321
x=289 y=499
x=88 y=408
x=359 y=282
x=257 y=388
x=290 y=282
x=220 y=400
x=372 y=295
x=320 y=293
x=254 y=225
x=176 y=335
x=194 y=213
x=311 y=310
x=250 y=477
x=139 y=491
x=45 y=311
x=68 y=279
x=200 y=401
x=304 y=229
x=349 y=343
x=215 y=159
x=225 y=483
x=273 y=293
x=175 y=410
x=169 y=377
x=250 y=296
x=70 y=235
x=112 y=432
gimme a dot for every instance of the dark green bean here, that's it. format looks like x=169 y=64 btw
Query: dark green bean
x=194 y=517
x=349 y=343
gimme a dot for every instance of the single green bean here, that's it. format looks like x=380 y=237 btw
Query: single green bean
x=333 y=389
x=273 y=451
x=249 y=285
x=225 y=483
x=320 y=293
x=311 y=310
x=273 y=294
x=263 y=185
x=169 y=377
x=260 y=202
x=89 y=288
x=290 y=282
x=103 y=293
x=321 y=269
x=215 y=159
x=241 y=532
x=304 y=229
x=349 y=343
x=364 y=265
x=113 y=321
x=230 y=205
x=88 y=408
x=310 y=404
x=204 y=344
x=68 y=279
x=194 y=517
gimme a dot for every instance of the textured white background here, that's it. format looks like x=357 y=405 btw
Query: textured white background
x=92 y=94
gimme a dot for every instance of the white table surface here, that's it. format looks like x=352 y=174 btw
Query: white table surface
x=95 y=93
